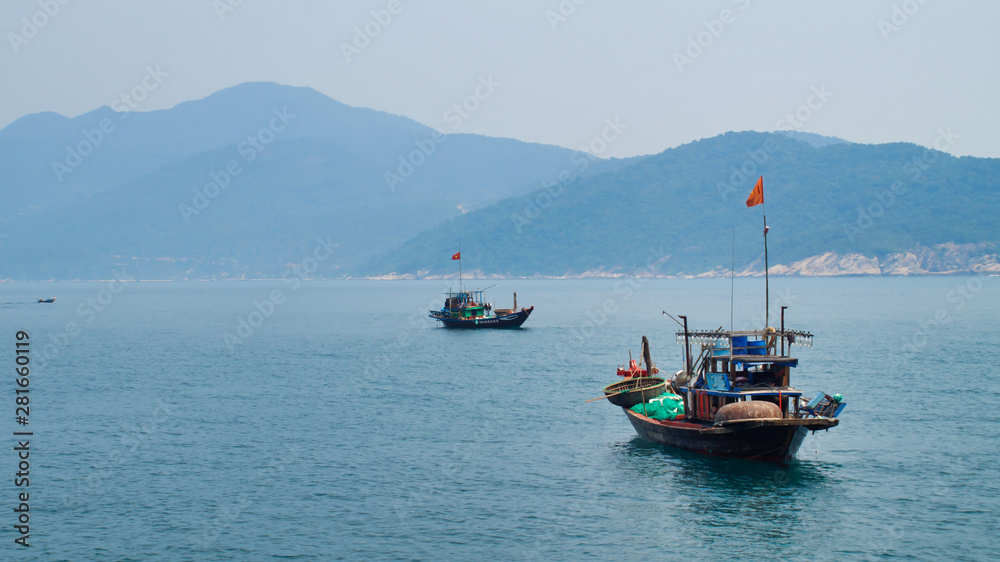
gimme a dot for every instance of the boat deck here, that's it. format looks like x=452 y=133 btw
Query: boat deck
x=733 y=426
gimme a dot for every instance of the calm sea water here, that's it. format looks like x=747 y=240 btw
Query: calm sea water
x=341 y=422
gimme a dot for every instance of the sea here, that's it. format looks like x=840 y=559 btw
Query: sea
x=324 y=420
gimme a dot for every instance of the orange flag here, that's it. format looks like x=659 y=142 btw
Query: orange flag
x=457 y=256
x=757 y=195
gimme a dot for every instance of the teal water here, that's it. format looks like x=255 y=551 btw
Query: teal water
x=346 y=424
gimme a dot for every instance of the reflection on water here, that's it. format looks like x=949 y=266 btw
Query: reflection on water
x=731 y=501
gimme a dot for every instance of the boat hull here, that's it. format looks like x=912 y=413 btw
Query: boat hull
x=509 y=321
x=769 y=440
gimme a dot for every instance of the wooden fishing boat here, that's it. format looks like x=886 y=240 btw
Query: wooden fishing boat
x=468 y=309
x=738 y=400
x=737 y=396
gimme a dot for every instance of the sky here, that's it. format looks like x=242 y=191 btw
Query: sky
x=648 y=75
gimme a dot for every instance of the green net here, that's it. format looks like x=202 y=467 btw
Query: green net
x=666 y=406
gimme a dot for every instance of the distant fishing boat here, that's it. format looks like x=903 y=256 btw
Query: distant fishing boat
x=469 y=309
x=50 y=299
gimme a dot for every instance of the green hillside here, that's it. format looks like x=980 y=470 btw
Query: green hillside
x=686 y=203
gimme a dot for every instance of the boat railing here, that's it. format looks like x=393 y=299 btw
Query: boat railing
x=798 y=337
x=745 y=342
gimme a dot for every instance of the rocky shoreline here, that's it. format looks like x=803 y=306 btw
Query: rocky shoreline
x=942 y=259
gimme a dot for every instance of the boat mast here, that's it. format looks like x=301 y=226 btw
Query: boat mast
x=687 y=347
x=767 y=289
x=732 y=291
x=783 y=331
x=460 y=289
x=757 y=198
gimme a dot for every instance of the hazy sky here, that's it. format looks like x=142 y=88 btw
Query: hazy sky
x=558 y=71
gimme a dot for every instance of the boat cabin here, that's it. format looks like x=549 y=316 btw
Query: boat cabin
x=463 y=304
x=737 y=367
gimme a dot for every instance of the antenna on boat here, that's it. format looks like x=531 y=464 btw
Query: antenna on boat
x=674 y=319
x=783 y=331
x=687 y=346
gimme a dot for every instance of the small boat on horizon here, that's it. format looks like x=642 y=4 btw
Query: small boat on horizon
x=469 y=309
x=48 y=300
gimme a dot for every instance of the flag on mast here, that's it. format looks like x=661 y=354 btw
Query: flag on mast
x=757 y=195
x=757 y=198
x=457 y=256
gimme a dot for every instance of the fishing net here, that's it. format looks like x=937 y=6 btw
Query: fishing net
x=666 y=406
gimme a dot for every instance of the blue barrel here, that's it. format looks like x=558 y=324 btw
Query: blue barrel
x=757 y=347
x=740 y=345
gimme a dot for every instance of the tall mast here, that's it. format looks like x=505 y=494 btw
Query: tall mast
x=757 y=198
x=767 y=289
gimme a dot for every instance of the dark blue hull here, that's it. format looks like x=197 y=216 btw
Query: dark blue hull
x=509 y=321
x=767 y=440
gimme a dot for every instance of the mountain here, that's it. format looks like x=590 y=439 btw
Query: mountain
x=241 y=184
x=816 y=141
x=684 y=210
x=257 y=179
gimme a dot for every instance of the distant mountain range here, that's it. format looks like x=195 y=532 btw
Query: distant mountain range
x=240 y=184
x=865 y=209
x=250 y=181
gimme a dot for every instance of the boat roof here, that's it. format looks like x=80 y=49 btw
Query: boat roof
x=756 y=359
x=720 y=333
x=775 y=391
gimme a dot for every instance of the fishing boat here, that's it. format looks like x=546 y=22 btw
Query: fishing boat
x=736 y=398
x=48 y=300
x=469 y=309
